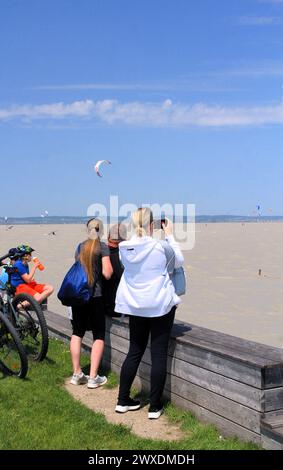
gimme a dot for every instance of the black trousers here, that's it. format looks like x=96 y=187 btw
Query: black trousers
x=159 y=329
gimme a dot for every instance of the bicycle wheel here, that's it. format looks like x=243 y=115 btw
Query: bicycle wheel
x=13 y=358
x=30 y=323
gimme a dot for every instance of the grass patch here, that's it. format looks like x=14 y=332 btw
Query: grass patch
x=37 y=413
x=113 y=380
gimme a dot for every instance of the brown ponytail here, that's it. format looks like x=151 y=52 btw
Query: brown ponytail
x=90 y=249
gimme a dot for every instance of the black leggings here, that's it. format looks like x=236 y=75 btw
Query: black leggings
x=140 y=327
x=89 y=317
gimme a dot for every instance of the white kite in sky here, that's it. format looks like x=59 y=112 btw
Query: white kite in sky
x=97 y=166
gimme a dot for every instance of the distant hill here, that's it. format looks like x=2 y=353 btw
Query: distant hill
x=53 y=220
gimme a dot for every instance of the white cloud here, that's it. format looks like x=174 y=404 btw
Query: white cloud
x=146 y=114
x=55 y=110
x=259 y=20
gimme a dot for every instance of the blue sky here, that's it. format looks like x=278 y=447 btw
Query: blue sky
x=185 y=98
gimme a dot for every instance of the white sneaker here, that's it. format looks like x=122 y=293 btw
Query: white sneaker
x=129 y=405
x=96 y=382
x=155 y=413
x=79 y=379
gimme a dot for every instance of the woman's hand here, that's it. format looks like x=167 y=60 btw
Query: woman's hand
x=168 y=227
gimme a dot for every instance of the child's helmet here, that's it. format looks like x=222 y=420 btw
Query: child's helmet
x=24 y=250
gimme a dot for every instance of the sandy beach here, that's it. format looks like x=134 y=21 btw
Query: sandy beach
x=225 y=291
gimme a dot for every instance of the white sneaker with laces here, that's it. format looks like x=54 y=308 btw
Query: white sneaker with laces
x=96 y=382
x=79 y=379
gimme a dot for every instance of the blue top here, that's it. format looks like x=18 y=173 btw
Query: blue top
x=16 y=278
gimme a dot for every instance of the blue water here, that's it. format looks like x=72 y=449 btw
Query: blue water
x=53 y=220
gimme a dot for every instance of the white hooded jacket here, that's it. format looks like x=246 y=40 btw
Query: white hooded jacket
x=145 y=289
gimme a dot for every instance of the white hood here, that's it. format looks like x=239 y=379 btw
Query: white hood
x=145 y=288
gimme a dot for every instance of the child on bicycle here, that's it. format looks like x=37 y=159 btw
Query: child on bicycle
x=23 y=279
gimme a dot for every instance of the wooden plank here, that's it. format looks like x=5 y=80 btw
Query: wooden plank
x=275 y=422
x=185 y=332
x=250 y=347
x=229 y=388
x=119 y=343
x=271 y=415
x=229 y=367
x=62 y=332
x=231 y=364
x=58 y=320
x=273 y=376
x=273 y=399
x=116 y=357
x=226 y=351
x=213 y=347
x=215 y=363
x=229 y=409
x=120 y=329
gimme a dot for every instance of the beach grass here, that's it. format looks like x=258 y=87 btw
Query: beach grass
x=38 y=413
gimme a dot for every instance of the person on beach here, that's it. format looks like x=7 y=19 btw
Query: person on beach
x=23 y=278
x=93 y=255
x=117 y=234
x=147 y=295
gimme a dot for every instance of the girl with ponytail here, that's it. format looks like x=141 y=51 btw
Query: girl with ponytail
x=93 y=255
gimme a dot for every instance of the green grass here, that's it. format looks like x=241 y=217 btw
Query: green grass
x=37 y=413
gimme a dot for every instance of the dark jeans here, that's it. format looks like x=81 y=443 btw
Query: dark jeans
x=159 y=329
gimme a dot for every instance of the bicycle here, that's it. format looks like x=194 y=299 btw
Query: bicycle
x=13 y=358
x=26 y=315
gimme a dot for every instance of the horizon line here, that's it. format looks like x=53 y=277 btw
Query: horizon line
x=250 y=216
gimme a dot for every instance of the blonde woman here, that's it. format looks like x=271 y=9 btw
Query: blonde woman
x=93 y=254
x=147 y=295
